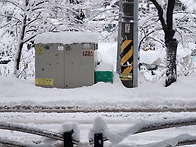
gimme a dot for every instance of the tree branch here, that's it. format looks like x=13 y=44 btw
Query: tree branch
x=160 y=13
x=28 y=39
x=36 y=18
x=146 y=35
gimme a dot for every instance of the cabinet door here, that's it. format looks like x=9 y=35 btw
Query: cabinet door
x=49 y=65
x=79 y=66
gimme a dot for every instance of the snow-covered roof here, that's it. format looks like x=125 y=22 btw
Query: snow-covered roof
x=67 y=37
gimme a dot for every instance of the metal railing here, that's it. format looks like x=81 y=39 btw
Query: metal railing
x=144 y=126
x=99 y=137
x=66 y=137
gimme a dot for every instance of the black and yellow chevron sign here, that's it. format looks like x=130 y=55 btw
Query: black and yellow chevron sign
x=126 y=63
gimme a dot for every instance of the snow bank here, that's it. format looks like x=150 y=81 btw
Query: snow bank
x=67 y=37
x=101 y=96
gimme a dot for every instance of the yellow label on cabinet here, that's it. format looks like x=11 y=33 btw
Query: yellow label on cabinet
x=40 y=50
x=43 y=81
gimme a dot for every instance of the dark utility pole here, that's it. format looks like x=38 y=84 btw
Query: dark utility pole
x=127 y=55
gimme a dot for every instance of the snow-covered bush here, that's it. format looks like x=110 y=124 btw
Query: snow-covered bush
x=151 y=37
x=186 y=65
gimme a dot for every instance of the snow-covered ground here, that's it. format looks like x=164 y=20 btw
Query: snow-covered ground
x=19 y=95
x=101 y=96
x=150 y=93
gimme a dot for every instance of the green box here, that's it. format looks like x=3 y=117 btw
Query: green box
x=103 y=76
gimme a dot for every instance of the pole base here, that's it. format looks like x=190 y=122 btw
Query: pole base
x=127 y=83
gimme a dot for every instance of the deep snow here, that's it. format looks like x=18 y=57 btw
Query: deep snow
x=20 y=94
x=101 y=96
x=105 y=96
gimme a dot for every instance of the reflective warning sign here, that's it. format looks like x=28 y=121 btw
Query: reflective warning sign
x=126 y=76
x=126 y=63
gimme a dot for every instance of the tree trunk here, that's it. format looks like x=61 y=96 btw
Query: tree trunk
x=20 y=46
x=21 y=41
x=19 y=56
x=171 y=71
x=170 y=42
x=171 y=45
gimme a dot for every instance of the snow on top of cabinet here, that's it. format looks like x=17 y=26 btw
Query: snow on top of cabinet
x=66 y=37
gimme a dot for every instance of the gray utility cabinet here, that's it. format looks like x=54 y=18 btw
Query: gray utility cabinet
x=64 y=65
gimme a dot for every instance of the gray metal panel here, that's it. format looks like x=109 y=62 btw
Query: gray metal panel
x=79 y=68
x=49 y=64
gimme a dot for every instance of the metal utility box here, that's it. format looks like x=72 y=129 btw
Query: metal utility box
x=65 y=60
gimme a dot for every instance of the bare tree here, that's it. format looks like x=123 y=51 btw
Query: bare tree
x=170 y=42
x=29 y=18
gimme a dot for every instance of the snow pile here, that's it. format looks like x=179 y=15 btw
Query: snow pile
x=150 y=56
x=99 y=126
x=67 y=37
x=73 y=128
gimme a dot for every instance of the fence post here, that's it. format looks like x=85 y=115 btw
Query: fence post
x=68 y=142
x=98 y=140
